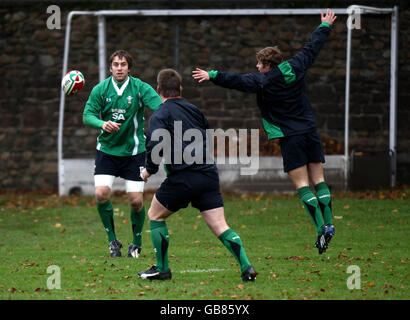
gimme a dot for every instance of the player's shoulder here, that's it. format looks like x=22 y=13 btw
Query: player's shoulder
x=162 y=114
x=137 y=81
x=134 y=79
x=103 y=85
x=139 y=84
x=273 y=75
x=178 y=103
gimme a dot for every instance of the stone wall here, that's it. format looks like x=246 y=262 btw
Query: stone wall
x=31 y=66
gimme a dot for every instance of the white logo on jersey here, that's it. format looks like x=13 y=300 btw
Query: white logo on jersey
x=118 y=114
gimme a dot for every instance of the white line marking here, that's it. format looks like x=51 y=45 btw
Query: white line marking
x=202 y=270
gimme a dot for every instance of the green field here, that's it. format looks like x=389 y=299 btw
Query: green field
x=372 y=233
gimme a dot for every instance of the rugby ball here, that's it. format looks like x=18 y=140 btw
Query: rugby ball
x=72 y=82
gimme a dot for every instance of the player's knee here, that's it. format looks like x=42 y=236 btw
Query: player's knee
x=151 y=215
x=102 y=194
x=154 y=215
x=136 y=204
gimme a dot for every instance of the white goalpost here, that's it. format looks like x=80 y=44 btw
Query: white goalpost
x=77 y=172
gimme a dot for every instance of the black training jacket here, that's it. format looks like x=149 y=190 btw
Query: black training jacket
x=281 y=92
x=177 y=133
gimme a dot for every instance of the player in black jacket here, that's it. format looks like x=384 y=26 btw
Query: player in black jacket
x=191 y=176
x=287 y=114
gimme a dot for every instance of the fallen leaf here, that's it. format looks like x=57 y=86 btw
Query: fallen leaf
x=240 y=286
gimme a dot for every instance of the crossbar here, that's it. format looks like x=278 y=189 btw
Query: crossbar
x=101 y=14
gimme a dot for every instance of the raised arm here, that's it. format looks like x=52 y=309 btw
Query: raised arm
x=231 y=80
x=305 y=58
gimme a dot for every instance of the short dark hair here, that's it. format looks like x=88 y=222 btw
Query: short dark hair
x=121 y=54
x=169 y=83
x=270 y=56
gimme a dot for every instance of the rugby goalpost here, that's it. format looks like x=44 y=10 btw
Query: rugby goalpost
x=66 y=167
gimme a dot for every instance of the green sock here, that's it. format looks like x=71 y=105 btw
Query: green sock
x=234 y=244
x=107 y=217
x=160 y=241
x=137 y=223
x=325 y=201
x=311 y=205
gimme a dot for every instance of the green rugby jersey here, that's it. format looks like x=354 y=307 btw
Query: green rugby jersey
x=123 y=103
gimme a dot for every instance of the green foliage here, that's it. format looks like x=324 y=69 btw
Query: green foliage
x=39 y=231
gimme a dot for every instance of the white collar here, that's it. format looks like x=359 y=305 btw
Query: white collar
x=118 y=90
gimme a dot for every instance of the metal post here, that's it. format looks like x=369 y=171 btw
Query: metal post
x=393 y=94
x=347 y=103
x=102 y=69
x=61 y=181
x=176 y=45
x=61 y=184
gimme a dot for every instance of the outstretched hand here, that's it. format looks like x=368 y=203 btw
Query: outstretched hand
x=329 y=17
x=200 y=75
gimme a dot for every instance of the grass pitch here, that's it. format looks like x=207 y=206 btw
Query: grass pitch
x=42 y=231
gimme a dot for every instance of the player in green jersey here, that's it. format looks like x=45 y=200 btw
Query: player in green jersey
x=116 y=107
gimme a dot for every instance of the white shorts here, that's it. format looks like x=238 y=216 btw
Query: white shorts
x=105 y=180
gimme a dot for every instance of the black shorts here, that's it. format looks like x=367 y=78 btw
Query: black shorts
x=128 y=168
x=301 y=149
x=201 y=188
